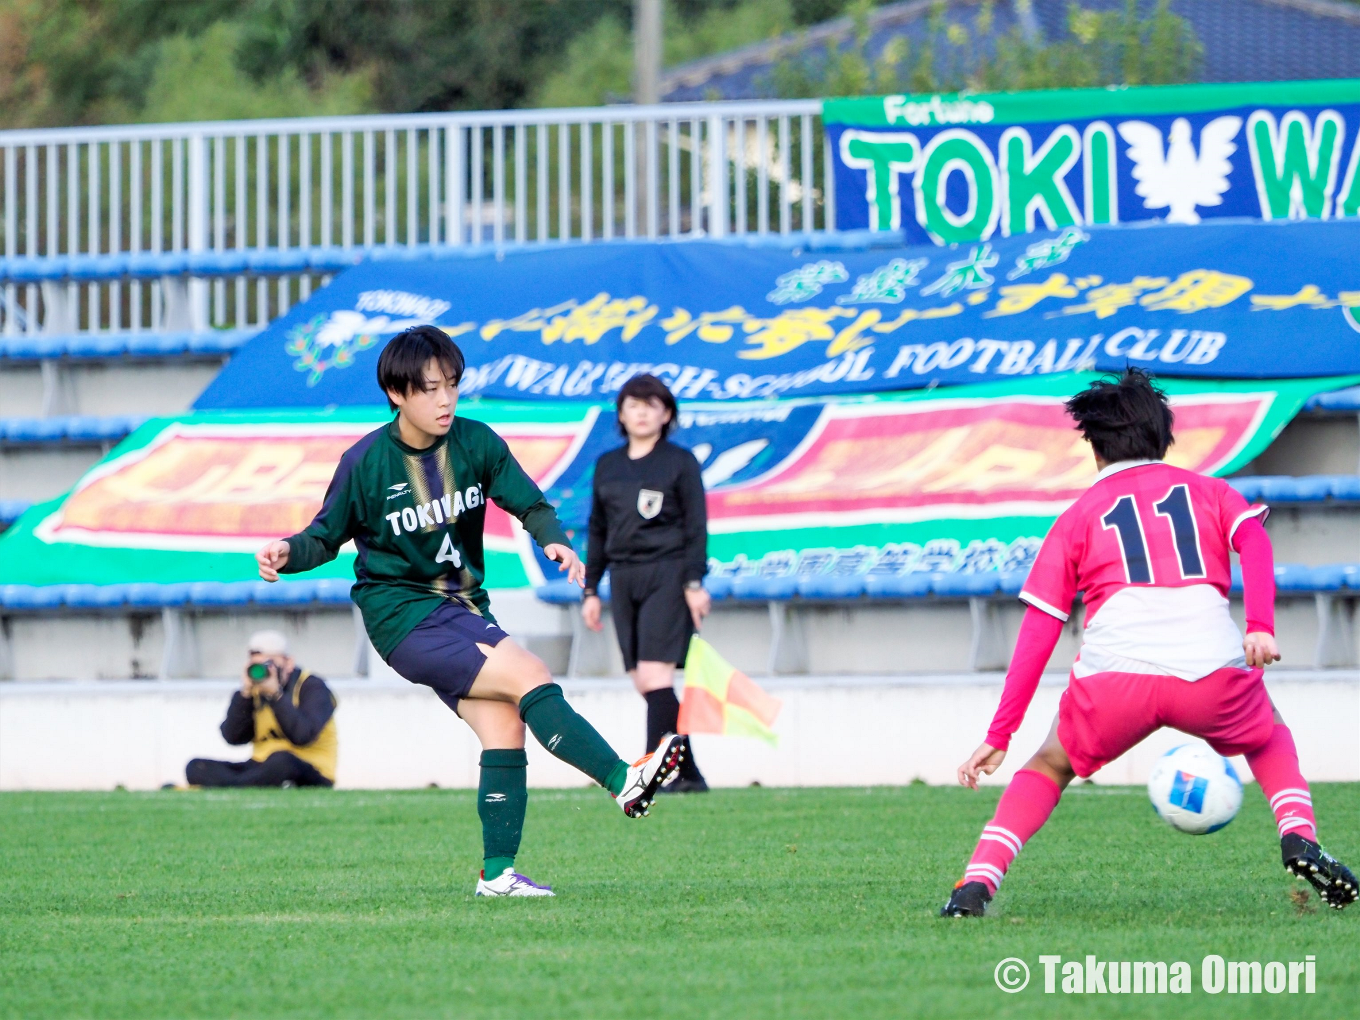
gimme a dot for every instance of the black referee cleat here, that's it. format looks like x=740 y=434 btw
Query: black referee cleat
x=1307 y=861
x=969 y=899
x=683 y=785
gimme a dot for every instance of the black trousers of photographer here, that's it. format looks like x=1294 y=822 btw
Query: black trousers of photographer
x=279 y=768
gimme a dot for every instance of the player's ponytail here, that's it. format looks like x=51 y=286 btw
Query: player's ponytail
x=1125 y=417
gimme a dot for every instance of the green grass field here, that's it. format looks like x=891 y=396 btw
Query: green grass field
x=746 y=903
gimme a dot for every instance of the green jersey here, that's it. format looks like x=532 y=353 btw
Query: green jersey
x=416 y=518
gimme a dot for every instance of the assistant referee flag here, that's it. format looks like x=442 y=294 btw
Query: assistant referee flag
x=719 y=698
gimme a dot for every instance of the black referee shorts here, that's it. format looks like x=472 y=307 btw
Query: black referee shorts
x=651 y=617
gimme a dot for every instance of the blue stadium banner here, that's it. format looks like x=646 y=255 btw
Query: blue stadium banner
x=958 y=169
x=735 y=322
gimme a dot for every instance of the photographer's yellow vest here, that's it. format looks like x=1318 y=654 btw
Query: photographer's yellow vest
x=320 y=754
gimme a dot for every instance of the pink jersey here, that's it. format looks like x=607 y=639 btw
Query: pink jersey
x=1147 y=545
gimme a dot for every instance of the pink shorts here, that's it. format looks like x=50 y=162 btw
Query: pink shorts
x=1103 y=715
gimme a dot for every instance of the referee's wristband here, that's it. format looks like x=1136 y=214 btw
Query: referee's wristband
x=694 y=585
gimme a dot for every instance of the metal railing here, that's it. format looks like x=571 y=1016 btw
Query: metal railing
x=691 y=169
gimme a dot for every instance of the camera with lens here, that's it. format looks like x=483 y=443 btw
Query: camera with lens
x=259 y=672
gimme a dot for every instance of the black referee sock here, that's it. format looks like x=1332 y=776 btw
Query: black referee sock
x=502 y=797
x=663 y=716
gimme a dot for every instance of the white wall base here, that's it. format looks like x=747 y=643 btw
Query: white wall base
x=834 y=731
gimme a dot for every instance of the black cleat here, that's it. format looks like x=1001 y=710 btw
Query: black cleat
x=1307 y=861
x=969 y=899
x=683 y=785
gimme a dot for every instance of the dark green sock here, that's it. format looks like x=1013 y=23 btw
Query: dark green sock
x=501 y=800
x=569 y=737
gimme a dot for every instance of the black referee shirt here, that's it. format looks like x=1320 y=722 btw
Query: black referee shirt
x=647 y=510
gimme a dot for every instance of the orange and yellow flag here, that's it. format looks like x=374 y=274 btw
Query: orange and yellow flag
x=719 y=698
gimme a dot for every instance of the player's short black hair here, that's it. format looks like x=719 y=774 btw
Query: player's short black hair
x=648 y=387
x=401 y=366
x=1124 y=417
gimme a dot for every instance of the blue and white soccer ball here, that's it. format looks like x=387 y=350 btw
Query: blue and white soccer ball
x=1194 y=789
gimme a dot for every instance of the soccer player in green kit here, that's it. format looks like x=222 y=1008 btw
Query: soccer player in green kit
x=412 y=496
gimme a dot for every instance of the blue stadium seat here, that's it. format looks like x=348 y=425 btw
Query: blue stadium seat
x=79 y=596
x=831 y=586
x=97 y=267
x=11 y=510
x=36 y=270
x=1329 y=577
x=32 y=346
x=719 y=588
x=332 y=591
x=226 y=262
x=764 y=588
x=334 y=259
x=34 y=430
x=283 y=593
x=220 y=593
x=30 y=596
x=897 y=586
x=1346 y=487
x=110 y=596
x=399 y=253
x=155 y=596
x=1295 y=490
x=1294 y=577
x=1249 y=486
x=1337 y=400
x=978 y=585
x=558 y=593
x=147 y=345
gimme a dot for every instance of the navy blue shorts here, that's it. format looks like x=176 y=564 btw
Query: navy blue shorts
x=442 y=651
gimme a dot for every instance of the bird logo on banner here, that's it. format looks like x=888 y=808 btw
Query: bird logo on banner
x=1178 y=179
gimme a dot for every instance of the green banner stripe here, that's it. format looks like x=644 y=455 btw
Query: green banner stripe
x=1053 y=105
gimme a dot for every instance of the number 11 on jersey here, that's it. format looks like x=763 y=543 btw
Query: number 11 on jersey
x=1175 y=506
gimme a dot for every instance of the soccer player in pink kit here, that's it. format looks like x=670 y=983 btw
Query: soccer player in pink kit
x=1147 y=545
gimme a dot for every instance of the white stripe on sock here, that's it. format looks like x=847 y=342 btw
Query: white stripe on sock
x=1280 y=805
x=1293 y=822
x=1003 y=837
x=1291 y=790
x=981 y=869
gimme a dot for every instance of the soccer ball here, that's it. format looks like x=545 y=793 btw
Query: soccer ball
x=1194 y=789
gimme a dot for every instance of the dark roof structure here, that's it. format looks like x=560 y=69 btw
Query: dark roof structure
x=1243 y=40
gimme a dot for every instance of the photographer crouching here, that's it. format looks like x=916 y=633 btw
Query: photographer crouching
x=287 y=713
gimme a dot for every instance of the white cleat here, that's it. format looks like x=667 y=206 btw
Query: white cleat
x=646 y=775
x=511 y=883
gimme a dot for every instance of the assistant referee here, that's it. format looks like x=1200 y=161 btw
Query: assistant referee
x=649 y=527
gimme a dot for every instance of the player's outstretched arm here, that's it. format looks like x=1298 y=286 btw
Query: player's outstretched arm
x=272 y=558
x=1252 y=544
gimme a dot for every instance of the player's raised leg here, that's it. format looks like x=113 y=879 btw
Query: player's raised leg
x=1275 y=764
x=502 y=796
x=518 y=677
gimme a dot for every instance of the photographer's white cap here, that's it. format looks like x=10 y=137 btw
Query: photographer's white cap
x=268 y=642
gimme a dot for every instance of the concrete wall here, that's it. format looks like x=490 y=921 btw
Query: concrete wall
x=834 y=731
x=126 y=386
x=867 y=640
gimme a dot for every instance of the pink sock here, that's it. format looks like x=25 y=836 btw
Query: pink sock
x=1275 y=764
x=1025 y=806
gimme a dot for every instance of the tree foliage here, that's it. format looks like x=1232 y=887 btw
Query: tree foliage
x=1120 y=47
